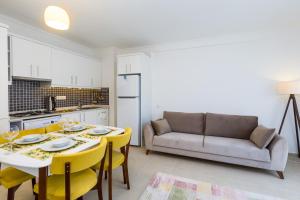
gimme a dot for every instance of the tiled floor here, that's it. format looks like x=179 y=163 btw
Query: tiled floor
x=143 y=167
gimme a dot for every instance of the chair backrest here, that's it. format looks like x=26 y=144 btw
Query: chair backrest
x=79 y=161
x=31 y=131
x=54 y=127
x=122 y=140
x=2 y=140
x=26 y=132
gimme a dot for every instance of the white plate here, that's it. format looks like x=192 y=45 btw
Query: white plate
x=76 y=128
x=50 y=148
x=21 y=141
x=99 y=131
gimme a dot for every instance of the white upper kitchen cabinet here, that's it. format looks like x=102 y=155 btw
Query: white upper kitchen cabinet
x=61 y=68
x=30 y=59
x=96 y=75
x=123 y=64
x=71 y=70
x=83 y=72
x=131 y=63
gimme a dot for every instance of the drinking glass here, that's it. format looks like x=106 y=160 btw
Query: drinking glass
x=11 y=135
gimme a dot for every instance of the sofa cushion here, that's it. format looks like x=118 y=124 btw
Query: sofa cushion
x=262 y=136
x=161 y=126
x=191 y=142
x=231 y=126
x=185 y=122
x=237 y=148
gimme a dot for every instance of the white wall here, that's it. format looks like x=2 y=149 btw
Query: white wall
x=108 y=62
x=20 y=28
x=226 y=75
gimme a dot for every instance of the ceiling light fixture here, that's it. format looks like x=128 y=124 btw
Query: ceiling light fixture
x=57 y=18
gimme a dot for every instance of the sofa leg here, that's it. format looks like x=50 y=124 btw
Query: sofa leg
x=147 y=152
x=280 y=174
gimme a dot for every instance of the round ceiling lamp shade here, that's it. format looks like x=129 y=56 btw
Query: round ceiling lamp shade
x=57 y=18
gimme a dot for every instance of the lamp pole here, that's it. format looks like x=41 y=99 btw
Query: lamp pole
x=296 y=118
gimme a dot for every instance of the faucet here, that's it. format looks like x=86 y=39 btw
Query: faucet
x=79 y=104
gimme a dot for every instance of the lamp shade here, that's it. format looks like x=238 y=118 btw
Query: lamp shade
x=57 y=18
x=289 y=87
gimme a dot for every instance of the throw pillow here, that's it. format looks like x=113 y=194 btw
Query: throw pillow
x=262 y=136
x=161 y=126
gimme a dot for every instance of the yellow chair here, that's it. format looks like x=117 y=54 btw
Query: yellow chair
x=26 y=132
x=72 y=176
x=54 y=127
x=31 y=131
x=12 y=178
x=116 y=156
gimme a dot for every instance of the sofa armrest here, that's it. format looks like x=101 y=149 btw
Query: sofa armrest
x=279 y=153
x=148 y=135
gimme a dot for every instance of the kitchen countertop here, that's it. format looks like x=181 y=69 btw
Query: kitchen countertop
x=60 y=111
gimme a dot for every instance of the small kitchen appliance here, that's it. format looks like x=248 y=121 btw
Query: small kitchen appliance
x=51 y=103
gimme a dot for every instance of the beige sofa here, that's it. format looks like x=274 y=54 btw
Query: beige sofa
x=217 y=137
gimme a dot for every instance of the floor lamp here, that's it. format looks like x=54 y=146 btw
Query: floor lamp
x=291 y=88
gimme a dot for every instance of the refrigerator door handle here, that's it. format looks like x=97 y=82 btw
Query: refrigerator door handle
x=129 y=97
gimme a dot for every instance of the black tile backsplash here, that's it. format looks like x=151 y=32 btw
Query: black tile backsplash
x=30 y=95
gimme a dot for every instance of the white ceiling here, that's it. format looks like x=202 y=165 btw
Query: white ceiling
x=128 y=23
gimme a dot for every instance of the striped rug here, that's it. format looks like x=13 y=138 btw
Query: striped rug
x=168 y=187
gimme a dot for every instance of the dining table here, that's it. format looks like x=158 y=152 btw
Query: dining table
x=33 y=160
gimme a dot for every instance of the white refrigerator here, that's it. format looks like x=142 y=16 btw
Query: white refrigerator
x=129 y=105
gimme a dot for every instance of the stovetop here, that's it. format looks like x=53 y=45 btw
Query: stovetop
x=30 y=113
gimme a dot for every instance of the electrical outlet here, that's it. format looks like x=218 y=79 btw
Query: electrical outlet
x=61 y=97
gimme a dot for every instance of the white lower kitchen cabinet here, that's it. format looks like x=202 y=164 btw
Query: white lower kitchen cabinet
x=97 y=116
x=4 y=125
x=76 y=116
x=93 y=116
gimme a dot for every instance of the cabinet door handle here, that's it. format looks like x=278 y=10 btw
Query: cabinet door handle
x=31 y=70
x=76 y=80
x=130 y=68
x=38 y=71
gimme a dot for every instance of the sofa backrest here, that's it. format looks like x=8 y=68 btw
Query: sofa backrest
x=231 y=126
x=185 y=122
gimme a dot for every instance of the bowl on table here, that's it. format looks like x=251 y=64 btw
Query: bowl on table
x=61 y=143
x=100 y=131
x=75 y=128
x=31 y=138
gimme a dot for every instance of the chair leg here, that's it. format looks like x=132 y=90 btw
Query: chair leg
x=124 y=173
x=280 y=174
x=100 y=177
x=110 y=172
x=99 y=189
x=147 y=152
x=127 y=176
x=11 y=192
x=33 y=182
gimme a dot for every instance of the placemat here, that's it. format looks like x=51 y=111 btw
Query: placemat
x=43 y=155
x=75 y=132
x=19 y=147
